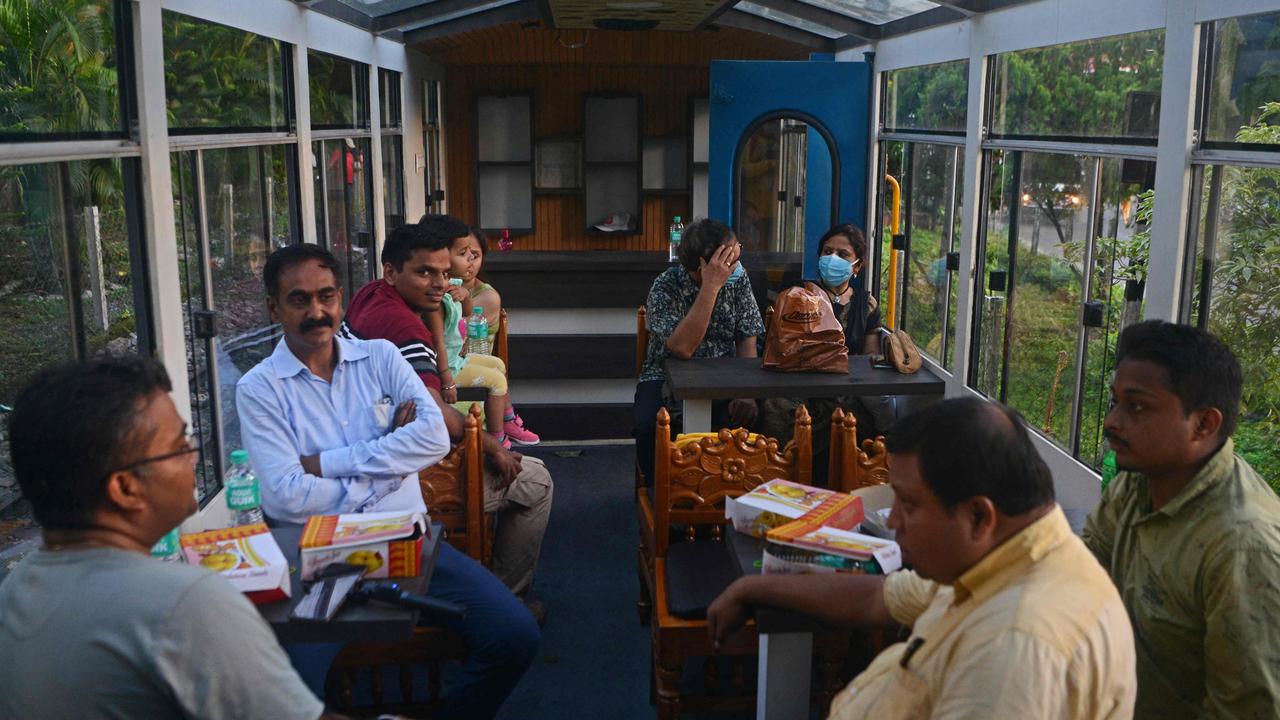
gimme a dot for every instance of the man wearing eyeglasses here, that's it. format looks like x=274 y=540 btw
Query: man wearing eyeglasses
x=91 y=626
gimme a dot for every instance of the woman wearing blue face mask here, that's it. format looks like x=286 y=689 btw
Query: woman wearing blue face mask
x=842 y=253
x=701 y=308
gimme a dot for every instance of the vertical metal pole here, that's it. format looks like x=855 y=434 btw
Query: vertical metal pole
x=1011 y=281
x=97 y=284
x=948 y=247
x=1082 y=336
x=229 y=220
x=211 y=344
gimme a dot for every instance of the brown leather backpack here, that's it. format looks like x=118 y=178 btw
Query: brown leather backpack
x=804 y=335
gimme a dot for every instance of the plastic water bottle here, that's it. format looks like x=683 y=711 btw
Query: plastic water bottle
x=676 y=232
x=1109 y=469
x=168 y=547
x=477 y=333
x=244 y=497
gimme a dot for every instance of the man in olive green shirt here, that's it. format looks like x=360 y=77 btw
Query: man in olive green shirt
x=1189 y=533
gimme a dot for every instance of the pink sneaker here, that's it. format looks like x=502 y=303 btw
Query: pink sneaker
x=518 y=433
x=502 y=438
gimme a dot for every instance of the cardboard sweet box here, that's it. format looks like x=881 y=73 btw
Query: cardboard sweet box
x=247 y=556
x=778 y=502
x=389 y=544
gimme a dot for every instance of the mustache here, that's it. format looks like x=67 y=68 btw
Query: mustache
x=1114 y=439
x=312 y=323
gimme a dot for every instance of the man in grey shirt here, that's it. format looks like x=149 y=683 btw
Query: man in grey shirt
x=90 y=625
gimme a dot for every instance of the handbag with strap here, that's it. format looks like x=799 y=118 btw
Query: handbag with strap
x=898 y=349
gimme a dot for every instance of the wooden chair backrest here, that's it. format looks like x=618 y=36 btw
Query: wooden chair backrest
x=453 y=490
x=500 y=340
x=854 y=467
x=692 y=482
x=642 y=340
x=768 y=319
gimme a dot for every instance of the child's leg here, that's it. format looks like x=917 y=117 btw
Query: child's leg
x=512 y=426
x=478 y=372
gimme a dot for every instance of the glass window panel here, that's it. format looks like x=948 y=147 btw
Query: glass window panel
x=393 y=181
x=389 y=98
x=66 y=286
x=1245 y=94
x=929 y=97
x=895 y=153
x=58 y=70
x=343 y=210
x=788 y=19
x=992 y=279
x=190 y=262
x=1241 y=226
x=339 y=92
x=932 y=216
x=1106 y=87
x=1054 y=205
x=220 y=78
x=1117 y=281
x=877 y=12
x=382 y=7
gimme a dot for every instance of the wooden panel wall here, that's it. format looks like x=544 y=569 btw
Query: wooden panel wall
x=665 y=69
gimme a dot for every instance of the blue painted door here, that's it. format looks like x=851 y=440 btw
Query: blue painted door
x=832 y=98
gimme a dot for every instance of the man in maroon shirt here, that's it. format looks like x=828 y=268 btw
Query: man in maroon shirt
x=415 y=274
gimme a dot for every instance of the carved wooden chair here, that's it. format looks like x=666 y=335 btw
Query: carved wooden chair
x=691 y=484
x=500 y=341
x=852 y=467
x=453 y=490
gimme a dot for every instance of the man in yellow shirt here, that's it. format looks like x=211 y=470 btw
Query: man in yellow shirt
x=1189 y=532
x=1010 y=616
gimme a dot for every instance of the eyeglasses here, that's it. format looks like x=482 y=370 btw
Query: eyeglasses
x=192 y=445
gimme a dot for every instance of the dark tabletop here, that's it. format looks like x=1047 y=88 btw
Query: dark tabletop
x=748 y=554
x=372 y=621
x=728 y=378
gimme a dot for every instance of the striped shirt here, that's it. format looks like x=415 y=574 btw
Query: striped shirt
x=377 y=312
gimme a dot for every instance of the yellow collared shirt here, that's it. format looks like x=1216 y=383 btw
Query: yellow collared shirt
x=1033 y=630
x=1201 y=580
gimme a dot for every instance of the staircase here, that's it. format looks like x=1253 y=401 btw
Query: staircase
x=572 y=333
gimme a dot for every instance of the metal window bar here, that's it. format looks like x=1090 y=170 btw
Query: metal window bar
x=948 y=247
x=1011 y=282
x=1082 y=333
x=211 y=344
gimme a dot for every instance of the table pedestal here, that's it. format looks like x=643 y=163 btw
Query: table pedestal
x=697 y=415
x=782 y=692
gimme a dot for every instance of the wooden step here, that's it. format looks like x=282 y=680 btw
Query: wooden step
x=578 y=422
x=565 y=357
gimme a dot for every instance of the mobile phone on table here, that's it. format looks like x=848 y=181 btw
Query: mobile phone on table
x=327 y=593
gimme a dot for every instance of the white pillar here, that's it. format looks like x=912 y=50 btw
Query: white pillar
x=163 y=269
x=1170 y=221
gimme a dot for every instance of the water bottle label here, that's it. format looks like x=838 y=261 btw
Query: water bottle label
x=243 y=497
x=675 y=237
x=167 y=545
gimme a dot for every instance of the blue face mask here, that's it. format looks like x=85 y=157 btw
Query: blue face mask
x=834 y=270
x=738 y=272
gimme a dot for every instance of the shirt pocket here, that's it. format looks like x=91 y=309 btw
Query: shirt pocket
x=379 y=417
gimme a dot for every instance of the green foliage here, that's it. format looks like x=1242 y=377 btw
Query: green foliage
x=929 y=97
x=220 y=77
x=1081 y=89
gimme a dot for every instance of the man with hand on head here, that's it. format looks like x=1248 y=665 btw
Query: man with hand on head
x=701 y=308
x=1010 y=616
x=1188 y=531
x=328 y=431
x=415 y=277
x=91 y=626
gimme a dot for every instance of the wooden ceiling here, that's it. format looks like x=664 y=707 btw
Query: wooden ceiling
x=529 y=43
x=660 y=14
